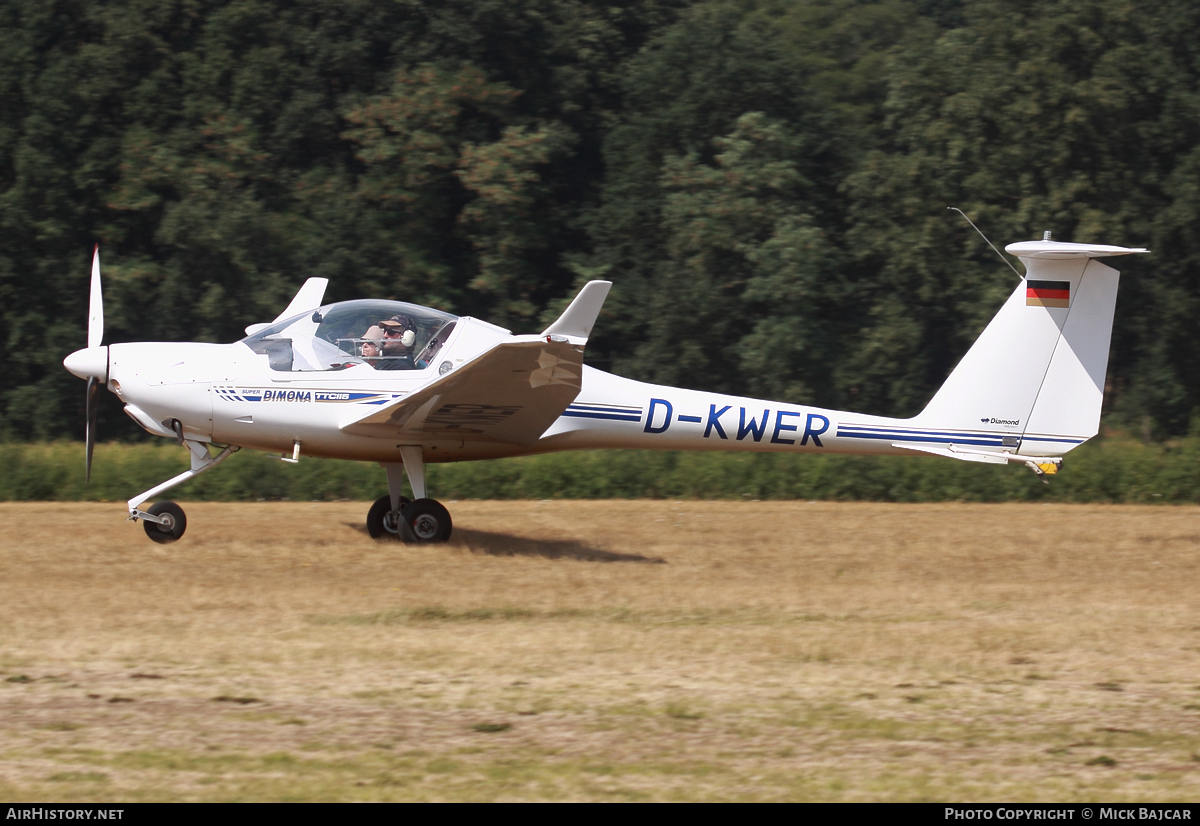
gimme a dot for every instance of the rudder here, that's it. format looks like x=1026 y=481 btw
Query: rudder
x=1036 y=373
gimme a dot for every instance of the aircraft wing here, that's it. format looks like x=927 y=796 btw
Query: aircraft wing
x=510 y=394
x=308 y=298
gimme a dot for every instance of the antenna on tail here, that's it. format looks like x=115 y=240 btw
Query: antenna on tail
x=989 y=243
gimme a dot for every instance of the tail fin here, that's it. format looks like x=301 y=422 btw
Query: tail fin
x=1036 y=374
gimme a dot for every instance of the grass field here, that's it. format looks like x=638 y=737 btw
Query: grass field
x=640 y=650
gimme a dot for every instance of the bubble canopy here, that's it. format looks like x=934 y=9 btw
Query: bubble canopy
x=332 y=337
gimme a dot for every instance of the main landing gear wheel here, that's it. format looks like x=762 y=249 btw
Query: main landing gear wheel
x=175 y=523
x=427 y=518
x=380 y=522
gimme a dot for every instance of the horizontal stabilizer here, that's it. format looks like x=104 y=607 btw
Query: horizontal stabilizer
x=580 y=317
x=956 y=452
x=1059 y=250
x=510 y=394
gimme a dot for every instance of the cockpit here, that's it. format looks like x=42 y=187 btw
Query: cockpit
x=387 y=335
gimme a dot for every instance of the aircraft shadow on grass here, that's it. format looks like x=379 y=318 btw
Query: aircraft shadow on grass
x=501 y=544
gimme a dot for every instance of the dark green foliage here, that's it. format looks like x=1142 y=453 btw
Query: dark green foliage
x=1084 y=124
x=724 y=235
x=750 y=291
x=223 y=151
x=765 y=181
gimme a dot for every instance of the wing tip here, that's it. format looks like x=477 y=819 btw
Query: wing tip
x=580 y=317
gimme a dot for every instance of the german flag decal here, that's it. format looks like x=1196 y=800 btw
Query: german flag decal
x=1048 y=293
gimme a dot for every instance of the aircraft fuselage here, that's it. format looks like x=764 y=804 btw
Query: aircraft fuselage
x=225 y=393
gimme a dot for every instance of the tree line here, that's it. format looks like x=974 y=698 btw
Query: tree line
x=766 y=182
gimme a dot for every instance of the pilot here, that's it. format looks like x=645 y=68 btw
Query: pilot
x=399 y=335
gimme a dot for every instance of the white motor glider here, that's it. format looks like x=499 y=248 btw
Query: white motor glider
x=405 y=385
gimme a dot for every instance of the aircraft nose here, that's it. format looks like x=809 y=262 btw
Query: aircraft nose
x=89 y=362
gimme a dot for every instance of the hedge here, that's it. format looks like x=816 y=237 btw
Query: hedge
x=1104 y=470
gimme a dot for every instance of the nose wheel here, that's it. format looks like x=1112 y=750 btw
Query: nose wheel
x=171 y=526
x=427 y=521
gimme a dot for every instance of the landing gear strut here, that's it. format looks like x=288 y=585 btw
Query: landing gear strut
x=165 y=522
x=394 y=517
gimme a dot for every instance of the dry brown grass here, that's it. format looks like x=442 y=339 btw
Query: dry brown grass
x=604 y=650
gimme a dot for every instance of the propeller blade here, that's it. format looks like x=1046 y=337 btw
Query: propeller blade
x=95 y=330
x=93 y=410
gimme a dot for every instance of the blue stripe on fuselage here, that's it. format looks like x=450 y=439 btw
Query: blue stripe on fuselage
x=615 y=416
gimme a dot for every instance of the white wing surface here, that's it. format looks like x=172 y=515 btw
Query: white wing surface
x=510 y=394
x=579 y=318
x=307 y=298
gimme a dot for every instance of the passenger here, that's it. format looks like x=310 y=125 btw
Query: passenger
x=372 y=347
x=399 y=335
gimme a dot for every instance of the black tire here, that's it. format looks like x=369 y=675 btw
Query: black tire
x=165 y=534
x=379 y=522
x=429 y=520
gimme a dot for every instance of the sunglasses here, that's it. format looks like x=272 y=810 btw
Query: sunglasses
x=393 y=331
